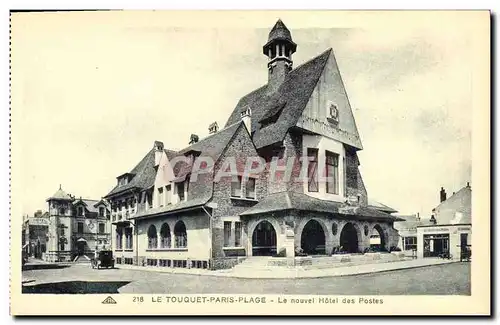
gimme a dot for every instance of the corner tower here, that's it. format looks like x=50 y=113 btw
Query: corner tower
x=279 y=49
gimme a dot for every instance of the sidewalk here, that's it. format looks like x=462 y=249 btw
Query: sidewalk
x=297 y=273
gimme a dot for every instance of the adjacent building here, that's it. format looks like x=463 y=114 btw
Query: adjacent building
x=408 y=232
x=35 y=234
x=77 y=227
x=174 y=209
x=450 y=230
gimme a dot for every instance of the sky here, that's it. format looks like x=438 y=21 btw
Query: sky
x=91 y=92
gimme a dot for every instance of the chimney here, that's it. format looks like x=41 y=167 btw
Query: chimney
x=246 y=117
x=158 y=148
x=468 y=185
x=433 y=220
x=193 y=139
x=418 y=216
x=442 y=195
x=213 y=128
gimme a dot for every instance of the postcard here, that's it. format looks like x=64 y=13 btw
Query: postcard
x=250 y=162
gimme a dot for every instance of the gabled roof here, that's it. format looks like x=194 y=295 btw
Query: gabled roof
x=289 y=100
x=301 y=202
x=380 y=206
x=411 y=222
x=90 y=205
x=144 y=175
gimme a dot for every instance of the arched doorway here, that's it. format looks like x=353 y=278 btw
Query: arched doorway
x=349 y=238
x=312 y=239
x=264 y=239
x=377 y=239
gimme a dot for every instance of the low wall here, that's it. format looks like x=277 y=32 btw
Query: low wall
x=226 y=262
x=319 y=262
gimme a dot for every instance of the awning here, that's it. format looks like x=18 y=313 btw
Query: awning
x=81 y=240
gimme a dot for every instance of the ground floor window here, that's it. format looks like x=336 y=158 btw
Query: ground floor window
x=237 y=234
x=152 y=237
x=436 y=245
x=129 y=239
x=227 y=233
x=164 y=263
x=165 y=239
x=119 y=237
x=151 y=262
x=129 y=261
x=118 y=260
x=180 y=234
x=410 y=243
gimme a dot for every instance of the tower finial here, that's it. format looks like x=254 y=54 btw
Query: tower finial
x=60 y=187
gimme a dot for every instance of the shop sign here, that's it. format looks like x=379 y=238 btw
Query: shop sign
x=38 y=222
x=464 y=229
x=436 y=229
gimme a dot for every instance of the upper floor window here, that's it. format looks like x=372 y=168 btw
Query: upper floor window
x=312 y=170
x=101 y=212
x=102 y=228
x=80 y=227
x=180 y=191
x=236 y=187
x=332 y=172
x=250 y=188
x=168 y=190
x=62 y=211
x=160 y=196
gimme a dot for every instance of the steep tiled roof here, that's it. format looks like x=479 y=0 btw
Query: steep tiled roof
x=302 y=202
x=200 y=191
x=289 y=101
x=144 y=175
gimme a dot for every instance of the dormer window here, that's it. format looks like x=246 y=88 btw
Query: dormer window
x=80 y=211
x=332 y=112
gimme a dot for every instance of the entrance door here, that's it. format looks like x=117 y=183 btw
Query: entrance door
x=80 y=248
x=313 y=238
x=264 y=239
x=349 y=238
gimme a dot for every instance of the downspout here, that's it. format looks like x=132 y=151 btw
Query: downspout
x=209 y=234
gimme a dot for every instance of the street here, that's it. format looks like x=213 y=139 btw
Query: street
x=448 y=279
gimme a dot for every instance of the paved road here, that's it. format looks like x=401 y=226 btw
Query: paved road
x=433 y=280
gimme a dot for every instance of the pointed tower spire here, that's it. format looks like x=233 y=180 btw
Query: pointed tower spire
x=279 y=49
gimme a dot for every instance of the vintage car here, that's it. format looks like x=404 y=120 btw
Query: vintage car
x=104 y=260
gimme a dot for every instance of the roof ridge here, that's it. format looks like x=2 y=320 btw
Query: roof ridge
x=330 y=49
x=209 y=136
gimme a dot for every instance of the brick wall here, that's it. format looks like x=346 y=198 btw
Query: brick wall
x=354 y=181
x=240 y=148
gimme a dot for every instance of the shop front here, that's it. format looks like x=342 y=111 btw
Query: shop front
x=445 y=241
